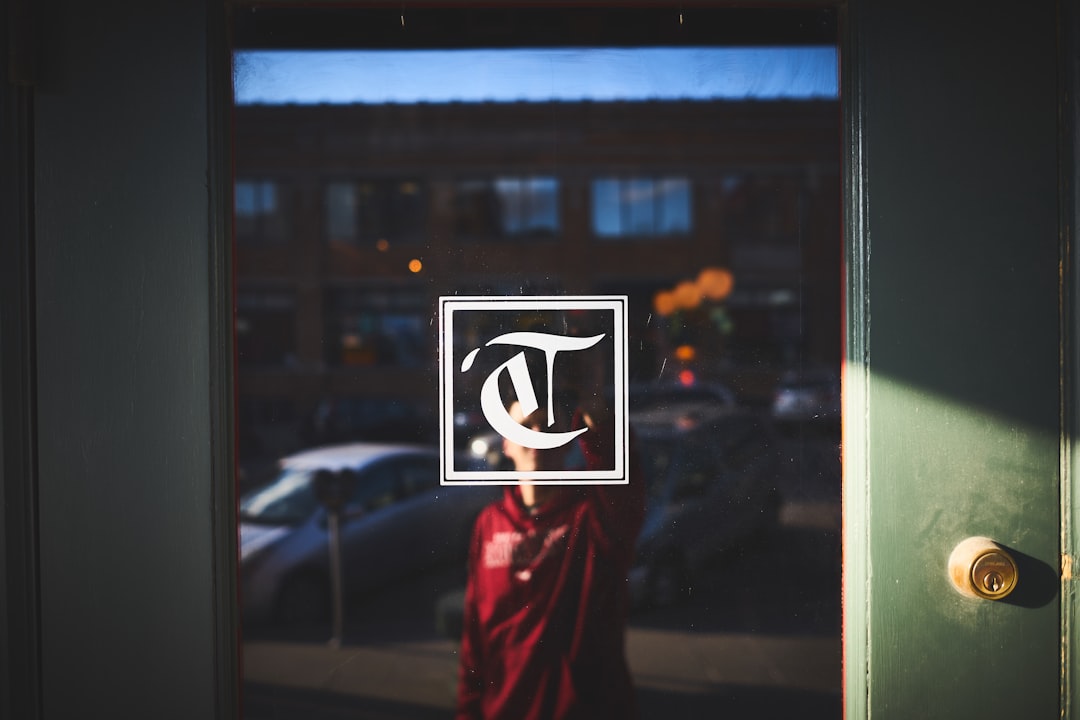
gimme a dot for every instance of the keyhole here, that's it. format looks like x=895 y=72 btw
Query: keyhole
x=992 y=581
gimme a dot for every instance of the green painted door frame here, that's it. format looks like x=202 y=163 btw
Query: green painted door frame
x=116 y=384
x=954 y=375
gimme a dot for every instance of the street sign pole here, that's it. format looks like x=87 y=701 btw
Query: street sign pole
x=336 y=591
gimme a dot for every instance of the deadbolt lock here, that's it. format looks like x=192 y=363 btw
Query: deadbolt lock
x=980 y=568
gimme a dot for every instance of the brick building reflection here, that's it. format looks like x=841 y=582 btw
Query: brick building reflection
x=352 y=220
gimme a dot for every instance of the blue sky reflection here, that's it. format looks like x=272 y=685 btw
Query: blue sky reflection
x=535 y=75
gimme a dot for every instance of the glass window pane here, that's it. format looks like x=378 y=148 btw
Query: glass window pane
x=341 y=210
x=673 y=208
x=528 y=206
x=406 y=156
x=261 y=215
x=544 y=205
x=640 y=207
x=245 y=199
x=512 y=205
x=638 y=200
x=606 y=208
x=267 y=198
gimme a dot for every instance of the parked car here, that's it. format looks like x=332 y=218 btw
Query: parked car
x=396 y=520
x=712 y=482
x=807 y=396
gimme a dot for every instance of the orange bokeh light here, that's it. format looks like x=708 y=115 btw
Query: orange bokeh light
x=664 y=303
x=716 y=283
x=687 y=295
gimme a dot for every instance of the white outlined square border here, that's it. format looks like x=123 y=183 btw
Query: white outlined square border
x=619 y=475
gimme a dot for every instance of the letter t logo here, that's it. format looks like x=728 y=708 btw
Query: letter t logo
x=485 y=366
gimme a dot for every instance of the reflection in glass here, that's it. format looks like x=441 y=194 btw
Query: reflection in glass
x=642 y=207
x=506 y=207
x=289 y=500
x=529 y=206
x=261 y=217
x=572 y=74
x=703 y=183
x=376 y=328
x=370 y=212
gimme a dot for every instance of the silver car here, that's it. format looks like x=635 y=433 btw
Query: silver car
x=396 y=520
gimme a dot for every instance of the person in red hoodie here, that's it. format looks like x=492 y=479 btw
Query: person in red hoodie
x=547 y=601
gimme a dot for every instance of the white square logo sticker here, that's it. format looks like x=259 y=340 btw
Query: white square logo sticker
x=557 y=361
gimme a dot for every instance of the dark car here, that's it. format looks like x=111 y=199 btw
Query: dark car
x=712 y=482
x=396 y=520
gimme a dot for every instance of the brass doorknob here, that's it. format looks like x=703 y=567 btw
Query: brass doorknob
x=980 y=568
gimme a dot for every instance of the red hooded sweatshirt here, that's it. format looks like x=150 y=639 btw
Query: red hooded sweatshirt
x=547 y=603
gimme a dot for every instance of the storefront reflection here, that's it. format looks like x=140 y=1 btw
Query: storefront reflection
x=717 y=217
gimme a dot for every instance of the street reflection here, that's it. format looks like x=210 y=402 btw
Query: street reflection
x=757 y=634
x=718 y=218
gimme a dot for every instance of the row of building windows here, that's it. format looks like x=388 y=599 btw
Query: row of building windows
x=365 y=212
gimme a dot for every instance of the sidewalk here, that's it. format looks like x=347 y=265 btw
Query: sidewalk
x=696 y=673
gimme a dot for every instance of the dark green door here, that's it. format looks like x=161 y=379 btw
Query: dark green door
x=953 y=370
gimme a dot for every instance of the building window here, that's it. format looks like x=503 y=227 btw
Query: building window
x=261 y=211
x=528 y=206
x=375 y=212
x=507 y=208
x=266 y=328
x=641 y=207
x=376 y=328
